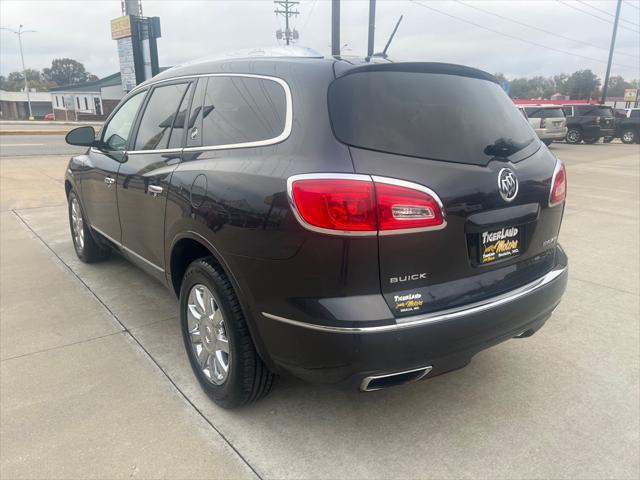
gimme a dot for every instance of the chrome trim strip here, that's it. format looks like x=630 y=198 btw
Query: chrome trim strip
x=160 y=150
x=420 y=188
x=335 y=176
x=364 y=386
x=434 y=317
x=128 y=250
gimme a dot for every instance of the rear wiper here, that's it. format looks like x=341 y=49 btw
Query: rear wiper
x=504 y=147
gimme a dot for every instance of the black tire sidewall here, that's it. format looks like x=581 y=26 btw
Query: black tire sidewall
x=578 y=133
x=231 y=392
x=634 y=136
x=80 y=251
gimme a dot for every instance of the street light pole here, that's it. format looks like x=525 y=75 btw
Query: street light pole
x=613 y=44
x=24 y=70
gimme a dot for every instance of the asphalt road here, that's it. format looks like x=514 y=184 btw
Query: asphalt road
x=30 y=145
x=95 y=382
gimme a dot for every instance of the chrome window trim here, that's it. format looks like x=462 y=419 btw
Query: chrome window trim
x=288 y=123
x=363 y=178
x=434 y=317
x=334 y=176
x=128 y=250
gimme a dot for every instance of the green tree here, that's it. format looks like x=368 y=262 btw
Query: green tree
x=583 y=85
x=520 y=88
x=66 y=71
x=617 y=86
x=560 y=83
x=15 y=81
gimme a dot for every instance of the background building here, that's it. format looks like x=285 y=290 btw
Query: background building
x=13 y=105
x=87 y=101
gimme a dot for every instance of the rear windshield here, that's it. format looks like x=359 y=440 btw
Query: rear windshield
x=427 y=115
x=594 y=110
x=537 y=112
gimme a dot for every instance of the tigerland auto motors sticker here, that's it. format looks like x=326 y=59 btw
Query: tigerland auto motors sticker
x=408 y=303
x=500 y=244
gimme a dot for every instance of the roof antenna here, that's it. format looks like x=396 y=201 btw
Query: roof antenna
x=383 y=54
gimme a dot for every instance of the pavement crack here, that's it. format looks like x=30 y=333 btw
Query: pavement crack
x=128 y=332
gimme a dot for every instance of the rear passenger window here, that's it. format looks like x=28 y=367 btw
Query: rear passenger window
x=177 y=132
x=567 y=111
x=239 y=110
x=158 y=117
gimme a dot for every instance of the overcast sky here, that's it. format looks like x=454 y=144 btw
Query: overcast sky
x=80 y=29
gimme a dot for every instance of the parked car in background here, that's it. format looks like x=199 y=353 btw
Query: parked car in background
x=628 y=128
x=589 y=123
x=548 y=121
x=348 y=224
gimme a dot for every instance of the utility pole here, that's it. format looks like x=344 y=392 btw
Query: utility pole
x=288 y=5
x=24 y=70
x=613 y=43
x=372 y=28
x=335 y=28
x=132 y=7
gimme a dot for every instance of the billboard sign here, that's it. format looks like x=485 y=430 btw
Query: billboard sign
x=630 y=94
x=121 y=27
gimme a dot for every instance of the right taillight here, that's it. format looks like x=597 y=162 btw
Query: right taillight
x=558 y=185
x=350 y=204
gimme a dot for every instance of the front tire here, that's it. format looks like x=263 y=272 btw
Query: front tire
x=629 y=136
x=218 y=343
x=574 y=136
x=87 y=248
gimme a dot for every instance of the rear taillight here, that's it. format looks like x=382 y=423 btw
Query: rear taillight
x=558 y=185
x=349 y=204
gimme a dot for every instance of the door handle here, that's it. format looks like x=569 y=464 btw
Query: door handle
x=109 y=181
x=155 y=190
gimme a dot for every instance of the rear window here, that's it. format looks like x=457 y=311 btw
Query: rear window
x=594 y=111
x=545 y=112
x=428 y=115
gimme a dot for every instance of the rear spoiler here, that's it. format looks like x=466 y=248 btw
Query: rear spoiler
x=419 y=67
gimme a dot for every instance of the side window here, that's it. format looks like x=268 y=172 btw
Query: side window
x=158 y=117
x=242 y=110
x=634 y=114
x=194 y=129
x=116 y=133
x=177 y=132
x=567 y=111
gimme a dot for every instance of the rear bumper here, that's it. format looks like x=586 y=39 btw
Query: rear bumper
x=443 y=340
x=548 y=134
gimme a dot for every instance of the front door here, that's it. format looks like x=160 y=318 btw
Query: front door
x=143 y=179
x=98 y=181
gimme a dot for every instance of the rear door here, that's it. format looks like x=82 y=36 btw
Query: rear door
x=456 y=132
x=144 y=177
x=103 y=162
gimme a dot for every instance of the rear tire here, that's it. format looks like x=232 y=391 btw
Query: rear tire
x=629 y=136
x=87 y=248
x=574 y=136
x=591 y=141
x=217 y=339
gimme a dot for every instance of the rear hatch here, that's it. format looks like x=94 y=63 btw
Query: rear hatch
x=453 y=130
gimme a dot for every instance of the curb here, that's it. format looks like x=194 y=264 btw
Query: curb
x=34 y=132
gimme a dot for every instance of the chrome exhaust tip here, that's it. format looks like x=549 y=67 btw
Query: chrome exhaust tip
x=378 y=382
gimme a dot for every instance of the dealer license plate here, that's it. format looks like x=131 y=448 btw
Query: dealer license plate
x=500 y=244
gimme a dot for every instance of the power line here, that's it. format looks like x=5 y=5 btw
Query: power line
x=631 y=5
x=606 y=13
x=306 y=22
x=596 y=16
x=513 y=36
x=540 y=29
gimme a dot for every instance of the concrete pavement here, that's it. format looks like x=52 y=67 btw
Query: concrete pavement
x=116 y=388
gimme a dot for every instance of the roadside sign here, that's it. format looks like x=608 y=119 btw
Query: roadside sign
x=121 y=27
x=630 y=94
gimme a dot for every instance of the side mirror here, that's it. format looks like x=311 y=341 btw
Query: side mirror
x=81 y=136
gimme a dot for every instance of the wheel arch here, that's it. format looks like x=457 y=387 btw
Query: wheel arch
x=190 y=246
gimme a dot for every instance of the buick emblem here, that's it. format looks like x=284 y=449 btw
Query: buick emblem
x=507 y=184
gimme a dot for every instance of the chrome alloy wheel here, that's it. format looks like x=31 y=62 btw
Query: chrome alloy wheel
x=573 y=136
x=208 y=334
x=628 y=137
x=77 y=224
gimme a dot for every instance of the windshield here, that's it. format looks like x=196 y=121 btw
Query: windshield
x=427 y=115
x=544 y=112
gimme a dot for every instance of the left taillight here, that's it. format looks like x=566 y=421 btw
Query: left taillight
x=351 y=204
x=558 y=185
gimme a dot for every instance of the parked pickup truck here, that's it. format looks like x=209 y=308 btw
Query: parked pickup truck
x=589 y=123
x=548 y=121
x=628 y=129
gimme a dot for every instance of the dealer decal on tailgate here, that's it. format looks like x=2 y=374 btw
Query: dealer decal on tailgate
x=499 y=244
